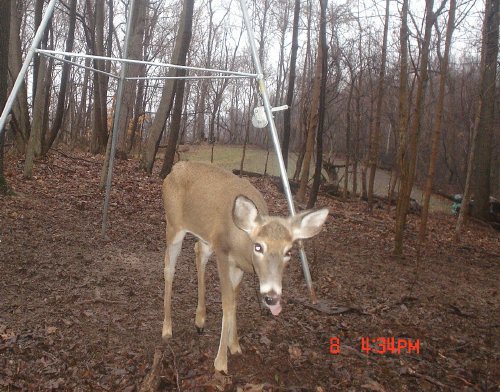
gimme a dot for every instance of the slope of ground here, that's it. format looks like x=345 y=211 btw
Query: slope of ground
x=229 y=156
x=79 y=312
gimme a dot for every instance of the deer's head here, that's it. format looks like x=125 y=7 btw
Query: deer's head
x=272 y=239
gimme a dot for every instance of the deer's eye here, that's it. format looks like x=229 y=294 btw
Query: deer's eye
x=258 y=248
x=288 y=253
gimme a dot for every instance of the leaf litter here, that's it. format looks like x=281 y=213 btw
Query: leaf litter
x=82 y=312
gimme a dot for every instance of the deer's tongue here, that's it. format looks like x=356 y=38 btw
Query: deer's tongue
x=275 y=309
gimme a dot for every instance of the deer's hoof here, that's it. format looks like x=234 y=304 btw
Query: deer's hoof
x=200 y=330
x=220 y=365
x=235 y=349
x=166 y=334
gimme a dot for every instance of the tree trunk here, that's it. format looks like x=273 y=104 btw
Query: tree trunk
x=5 y=11
x=437 y=126
x=20 y=107
x=378 y=112
x=81 y=116
x=35 y=140
x=175 y=126
x=403 y=98
x=285 y=146
x=134 y=52
x=323 y=59
x=345 y=192
x=409 y=164
x=178 y=57
x=311 y=129
x=36 y=59
x=61 y=99
x=100 y=133
x=481 y=173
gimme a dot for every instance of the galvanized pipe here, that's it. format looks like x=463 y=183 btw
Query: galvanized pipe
x=151 y=63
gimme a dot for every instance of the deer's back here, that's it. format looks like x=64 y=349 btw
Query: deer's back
x=199 y=198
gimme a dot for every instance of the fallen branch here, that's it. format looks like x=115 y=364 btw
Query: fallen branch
x=430 y=379
x=323 y=307
x=100 y=300
x=74 y=158
x=152 y=380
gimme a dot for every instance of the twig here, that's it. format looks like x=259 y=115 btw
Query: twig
x=430 y=379
x=63 y=168
x=461 y=379
x=74 y=158
x=152 y=380
x=175 y=369
x=101 y=300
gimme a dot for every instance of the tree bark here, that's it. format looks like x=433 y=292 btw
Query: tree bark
x=482 y=131
x=36 y=59
x=378 y=111
x=5 y=11
x=311 y=129
x=175 y=126
x=179 y=58
x=409 y=164
x=285 y=146
x=20 y=107
x=345 y=192
x=481 y=181
x=323 y=49
x=134 y=52
x=437 y=126
x=35 y=140
x=100 y=133
x=61 y=99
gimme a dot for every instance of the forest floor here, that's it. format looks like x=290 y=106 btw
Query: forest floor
x=80 y=313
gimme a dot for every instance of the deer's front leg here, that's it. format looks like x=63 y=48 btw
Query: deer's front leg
x=228 y=311
x=235 y=275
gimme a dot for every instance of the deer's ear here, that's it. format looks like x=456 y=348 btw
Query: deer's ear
x=308 y=223
x=245 y=214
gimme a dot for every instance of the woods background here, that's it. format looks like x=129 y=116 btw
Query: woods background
x=407 y=87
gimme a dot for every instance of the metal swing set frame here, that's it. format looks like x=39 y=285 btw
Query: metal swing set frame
x=217 y=74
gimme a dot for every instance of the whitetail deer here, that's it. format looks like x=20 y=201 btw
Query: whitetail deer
x=230 y=217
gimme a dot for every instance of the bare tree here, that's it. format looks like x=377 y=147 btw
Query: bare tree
x=134 y=52
x=100 y=133
x=409 y=164
x=481 y=181
x=477 y=181
x=374 y=145
x=291 y=83
x=178 y=57
x=58 y=118
x=21 y=120
x=312 y=124
x=5 y=10
x=437 y=123
x=323 y=59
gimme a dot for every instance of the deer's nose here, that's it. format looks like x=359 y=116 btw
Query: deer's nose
x=272 y=298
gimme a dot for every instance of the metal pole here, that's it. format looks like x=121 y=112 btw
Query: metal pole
x=29 y=56
x=118 y=107
x=274 y=135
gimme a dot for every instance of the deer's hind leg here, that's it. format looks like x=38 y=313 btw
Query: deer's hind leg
x=202 y=251
x=174 y=244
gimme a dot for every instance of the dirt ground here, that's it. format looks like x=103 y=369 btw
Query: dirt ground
x=83 y=313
